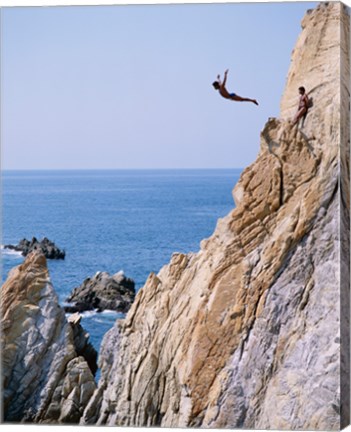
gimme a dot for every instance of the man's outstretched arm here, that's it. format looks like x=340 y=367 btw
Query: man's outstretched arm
x=225 y=76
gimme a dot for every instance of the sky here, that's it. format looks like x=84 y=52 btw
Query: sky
x=118 y=87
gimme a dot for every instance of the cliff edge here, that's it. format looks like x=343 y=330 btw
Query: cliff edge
x=246 y=332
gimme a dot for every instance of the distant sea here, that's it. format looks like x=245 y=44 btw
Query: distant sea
x=130 y=220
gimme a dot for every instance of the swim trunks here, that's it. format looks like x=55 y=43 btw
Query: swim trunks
x=232 y=94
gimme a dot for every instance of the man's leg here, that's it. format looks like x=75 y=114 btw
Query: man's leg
x=242 y=99
x=299 y=114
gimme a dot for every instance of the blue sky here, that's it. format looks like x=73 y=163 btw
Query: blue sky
x=130 y=86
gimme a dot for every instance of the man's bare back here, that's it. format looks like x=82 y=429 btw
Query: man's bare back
x=220 y=86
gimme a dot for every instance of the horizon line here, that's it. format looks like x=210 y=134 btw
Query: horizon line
x=118 y=169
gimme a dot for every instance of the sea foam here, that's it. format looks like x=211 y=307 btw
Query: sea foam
x=12 y=252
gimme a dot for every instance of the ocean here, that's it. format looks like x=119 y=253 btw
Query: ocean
x=112 y=220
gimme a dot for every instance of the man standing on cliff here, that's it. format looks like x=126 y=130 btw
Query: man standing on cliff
x=303 y=105
x=219 y=85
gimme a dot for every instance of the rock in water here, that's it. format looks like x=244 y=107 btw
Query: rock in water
x=246 y=333
x=47 y=247
x=102 y=292
x=45 y=376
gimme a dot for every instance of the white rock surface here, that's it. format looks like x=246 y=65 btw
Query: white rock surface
x=43 y=378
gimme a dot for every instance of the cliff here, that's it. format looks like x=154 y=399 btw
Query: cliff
x=246 y=332
x=253 y=330
x=46 y=376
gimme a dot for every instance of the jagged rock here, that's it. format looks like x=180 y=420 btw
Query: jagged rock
x=102 y=292
x=47 y=247
x=45 y=377
x=81 y=342
x=246 y=333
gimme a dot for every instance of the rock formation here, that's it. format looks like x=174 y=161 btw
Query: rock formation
x=246 y=332
x=102 y=292
x=45 y=377
x=47 y=247
x=81 y=342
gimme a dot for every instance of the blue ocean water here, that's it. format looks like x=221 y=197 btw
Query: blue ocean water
x=130 y=220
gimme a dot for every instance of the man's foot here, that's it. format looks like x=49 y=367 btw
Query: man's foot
x=255 y=101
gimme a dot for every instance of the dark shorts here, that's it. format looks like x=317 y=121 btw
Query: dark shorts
x=232 y=94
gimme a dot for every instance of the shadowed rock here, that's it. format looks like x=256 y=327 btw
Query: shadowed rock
x=102 y=292
x=45 y=246
x=81 y=342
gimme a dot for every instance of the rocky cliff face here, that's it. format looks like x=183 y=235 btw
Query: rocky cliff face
x=246 y=333
x=43 y=378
